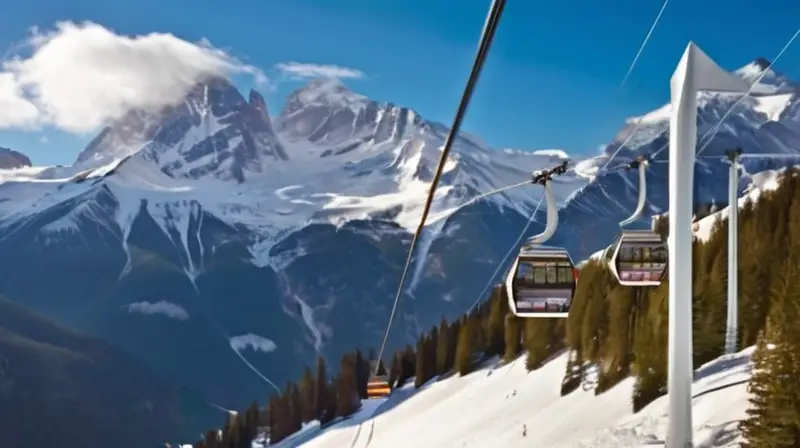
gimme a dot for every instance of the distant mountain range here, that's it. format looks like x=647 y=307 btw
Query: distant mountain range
x=211 y=233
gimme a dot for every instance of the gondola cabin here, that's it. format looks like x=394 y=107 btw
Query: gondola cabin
x=541 y=283
x=638 y=258
x=377 y=385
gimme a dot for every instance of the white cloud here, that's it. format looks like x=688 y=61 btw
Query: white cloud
x=79 y=76
x=258 y=343
x=162 y=307
x=297 y=70
x=44 y=139
x=15 y=110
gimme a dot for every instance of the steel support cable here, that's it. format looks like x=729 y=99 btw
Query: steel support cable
x=625 y=79
x=716 y=127
x=489 y=193
x=487 y=36
x=509 y=253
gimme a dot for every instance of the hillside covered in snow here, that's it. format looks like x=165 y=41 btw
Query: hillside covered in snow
x=504 y=405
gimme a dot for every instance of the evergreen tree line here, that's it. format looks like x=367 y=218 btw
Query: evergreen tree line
x=316 y=397
x=620 y=329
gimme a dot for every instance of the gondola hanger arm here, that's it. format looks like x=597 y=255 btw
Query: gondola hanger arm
x=641 y=164
x=552 y=217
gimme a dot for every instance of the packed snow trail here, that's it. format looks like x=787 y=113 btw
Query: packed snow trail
x=342 y=434
x=491 y=406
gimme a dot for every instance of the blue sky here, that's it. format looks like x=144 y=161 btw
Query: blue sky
x=551 y=80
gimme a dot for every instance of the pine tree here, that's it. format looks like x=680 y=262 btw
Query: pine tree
x=756 y=429
x=321 y=395
x=362 y=374
x=513 y=337
x=536 y=340
x=249 y=424
x=650 y=348
x=211 y=439
x=774 y=415
x=452 y=344
x=463 y=362
x=394 y=368
x=617 y=350
x=495 y=329
x=347 y=398
x=430 y=353
x=408 y=366
x=230 y=432
x=333 y=398
x=421 y=364
x=295 y=407
x=442 y=348
x=307 y=396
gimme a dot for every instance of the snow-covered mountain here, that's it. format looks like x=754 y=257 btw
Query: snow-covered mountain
x=210 y=237
x=10 y=159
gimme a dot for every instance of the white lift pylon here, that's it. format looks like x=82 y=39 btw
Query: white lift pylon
x=695 y=72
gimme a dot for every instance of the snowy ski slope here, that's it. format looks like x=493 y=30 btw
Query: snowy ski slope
x=489 y=407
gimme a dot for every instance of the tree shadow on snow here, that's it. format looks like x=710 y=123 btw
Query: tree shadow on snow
x=722 y=435
x=721 y=365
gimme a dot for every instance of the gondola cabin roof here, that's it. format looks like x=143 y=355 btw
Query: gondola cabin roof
x=636 y=236
x=545 y=253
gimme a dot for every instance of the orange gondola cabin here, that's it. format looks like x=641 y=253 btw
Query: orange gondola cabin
x=378 y=385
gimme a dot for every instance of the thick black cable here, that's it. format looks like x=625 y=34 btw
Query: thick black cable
x=487 y=36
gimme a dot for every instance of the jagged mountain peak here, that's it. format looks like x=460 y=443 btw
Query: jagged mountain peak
x=772 y=81
x=323 y=93
x=10 y=159
x=761 y=62
x=257 y=100
x=214 y=131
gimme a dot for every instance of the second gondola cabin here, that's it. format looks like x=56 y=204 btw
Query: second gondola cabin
x=541 y=283
x=638 y=258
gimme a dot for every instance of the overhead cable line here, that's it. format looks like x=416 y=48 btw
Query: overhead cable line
x=625 y=79
x=487 y=36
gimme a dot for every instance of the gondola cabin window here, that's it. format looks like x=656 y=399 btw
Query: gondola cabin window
x=543 y=285
x=641 y=259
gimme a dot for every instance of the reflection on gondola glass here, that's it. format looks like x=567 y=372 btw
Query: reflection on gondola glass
x=544 y=284
x=643 y=261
